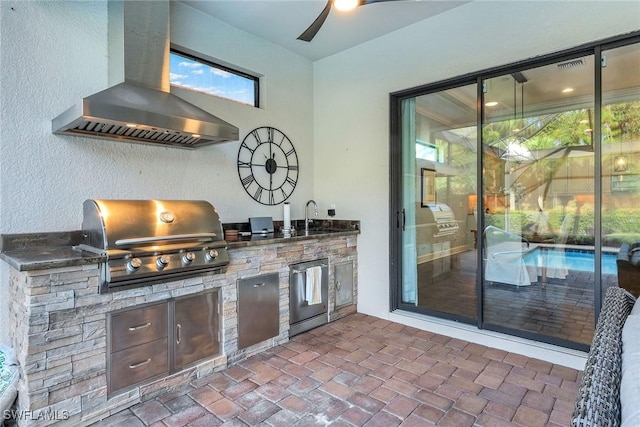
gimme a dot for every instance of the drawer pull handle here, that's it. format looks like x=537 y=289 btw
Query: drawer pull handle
x=137 y=365
x=178 y=330
x=259 y=285
x=304 y=271
x=135 y=328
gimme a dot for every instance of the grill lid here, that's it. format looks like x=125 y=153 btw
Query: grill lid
x=130 y=224
x=146 y=241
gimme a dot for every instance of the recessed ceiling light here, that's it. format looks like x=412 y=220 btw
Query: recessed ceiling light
x=131 y=125
x=567 y=90
x=491 y=104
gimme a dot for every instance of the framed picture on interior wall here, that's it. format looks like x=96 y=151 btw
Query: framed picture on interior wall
x=428 y=187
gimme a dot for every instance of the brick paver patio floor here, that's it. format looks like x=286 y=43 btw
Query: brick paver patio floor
x=364 y=371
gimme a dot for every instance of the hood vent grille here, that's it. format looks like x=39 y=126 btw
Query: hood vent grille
x=164 y=136
x=571 y=64
x=139 y=106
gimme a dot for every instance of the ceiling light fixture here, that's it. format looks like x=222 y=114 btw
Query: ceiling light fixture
x=345 y=5
x=313 y=29
x=567 y=90
x=620 y=164
x=491 y=104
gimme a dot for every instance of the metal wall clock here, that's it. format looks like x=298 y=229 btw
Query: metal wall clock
x=268 y=165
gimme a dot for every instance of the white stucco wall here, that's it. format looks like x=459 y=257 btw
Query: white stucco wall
x=351 y=91
x=54 y=53
x=336 y=111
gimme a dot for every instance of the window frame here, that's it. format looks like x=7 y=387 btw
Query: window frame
x=234 y=71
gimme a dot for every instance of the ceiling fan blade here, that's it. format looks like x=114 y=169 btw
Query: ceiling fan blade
x=363 y=2
x=313 y=29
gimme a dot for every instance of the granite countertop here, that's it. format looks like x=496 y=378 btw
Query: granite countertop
x=40 y=251
x=317 y=229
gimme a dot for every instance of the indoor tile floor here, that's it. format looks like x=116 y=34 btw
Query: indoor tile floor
x=559 y=308
x=364 y=371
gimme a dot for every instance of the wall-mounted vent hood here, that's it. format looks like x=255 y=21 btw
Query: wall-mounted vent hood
x=139 y=107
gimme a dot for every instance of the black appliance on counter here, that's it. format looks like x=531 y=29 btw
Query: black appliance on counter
x=149 y=241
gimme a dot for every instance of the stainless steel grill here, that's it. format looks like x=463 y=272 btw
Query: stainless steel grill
x=148 y=241
x=444 y=219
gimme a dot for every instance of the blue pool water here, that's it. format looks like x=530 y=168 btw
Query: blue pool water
x=574 y=259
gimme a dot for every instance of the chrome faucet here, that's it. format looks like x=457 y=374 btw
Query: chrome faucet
x=306 y=213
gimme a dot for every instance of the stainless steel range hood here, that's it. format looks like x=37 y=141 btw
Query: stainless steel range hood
x=139 y=107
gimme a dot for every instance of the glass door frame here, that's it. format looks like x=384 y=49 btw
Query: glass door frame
x=396 y=211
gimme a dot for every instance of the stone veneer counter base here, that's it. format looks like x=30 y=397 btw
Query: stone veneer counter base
x=58 y=320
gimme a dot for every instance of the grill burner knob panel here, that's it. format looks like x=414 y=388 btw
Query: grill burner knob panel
x=188 y=258
x=211 y=254
x=133 y=264
x=162 y=261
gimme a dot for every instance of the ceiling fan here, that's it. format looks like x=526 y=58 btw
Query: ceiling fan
x=344 y=5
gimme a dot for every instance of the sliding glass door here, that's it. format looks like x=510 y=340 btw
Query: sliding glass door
x=515 y=192
x=620 y=164
x=538 y=239
x=439 y=159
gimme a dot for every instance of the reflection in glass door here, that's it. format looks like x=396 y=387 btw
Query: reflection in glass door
x=439 y=157
x=620 y=164
x=529 y=244
x=538 y=194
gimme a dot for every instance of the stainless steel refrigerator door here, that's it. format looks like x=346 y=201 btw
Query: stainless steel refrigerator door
x=298 y=305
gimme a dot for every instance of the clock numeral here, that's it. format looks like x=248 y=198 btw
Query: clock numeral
x=247 y=180
x=244 y=144
x=290 y=152
x=258 y=194
x=292 y=167
x=256 y=135
x=272 y=200
x=291 y=181
x=242 y=164
x=270 y=134
x=282 y=140
x=284 y=195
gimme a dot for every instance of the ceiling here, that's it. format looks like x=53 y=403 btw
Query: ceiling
x=282 y=21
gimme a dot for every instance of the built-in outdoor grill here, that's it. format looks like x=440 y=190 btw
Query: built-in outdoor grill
x=148 y=241
x=444 y=219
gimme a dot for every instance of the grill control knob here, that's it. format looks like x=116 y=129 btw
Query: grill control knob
x=162 y=261
x=211 y=254
x=133 y=264
x=188 y=258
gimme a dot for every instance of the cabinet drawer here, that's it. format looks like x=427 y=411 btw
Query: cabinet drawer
x=138 y=363
x=133 y=327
